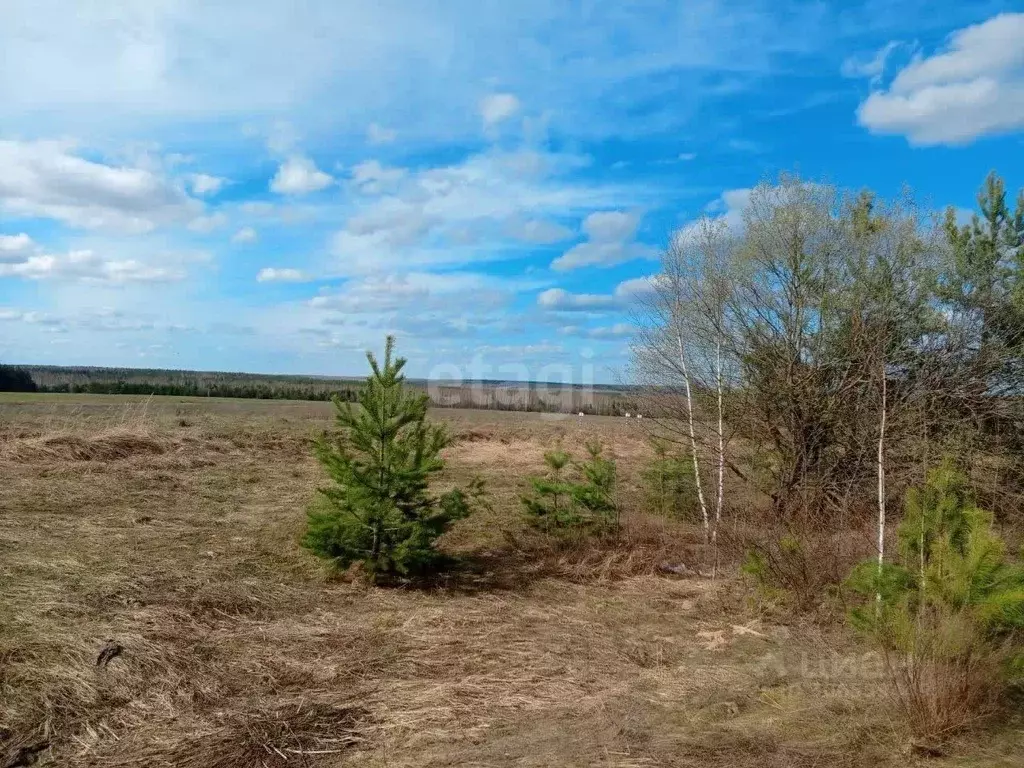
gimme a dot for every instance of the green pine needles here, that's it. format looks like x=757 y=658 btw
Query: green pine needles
x=668 y=484
x=379 y=511
x=557 y=503
x=947 y=616
x=951 y=562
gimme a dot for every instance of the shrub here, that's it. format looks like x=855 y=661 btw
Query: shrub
x=380 y=511
x=557 y=504
x=797 y=563
x=946 y=613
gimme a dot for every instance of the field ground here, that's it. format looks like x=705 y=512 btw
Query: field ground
x=169 y=527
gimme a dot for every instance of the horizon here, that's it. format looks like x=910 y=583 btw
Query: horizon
x=323 y=377
x=188 y=186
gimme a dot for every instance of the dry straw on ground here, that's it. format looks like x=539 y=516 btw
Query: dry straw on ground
x=173 y=534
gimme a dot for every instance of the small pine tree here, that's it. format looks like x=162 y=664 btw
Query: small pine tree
x=951 y=561
x=668 y=484
x=596 y=494
x=380 y=512
x=560 y=504
x=948 y=615
x=551 y=505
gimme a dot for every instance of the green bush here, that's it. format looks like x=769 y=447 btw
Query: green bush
x=948 y=612
x=586 y=504
x=379 y=512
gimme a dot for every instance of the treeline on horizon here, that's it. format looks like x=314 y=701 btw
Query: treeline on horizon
x=506 y=396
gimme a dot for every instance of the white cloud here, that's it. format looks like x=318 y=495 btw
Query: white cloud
x=206 y=224
x=372 y=178
x=559 y=300
x=16 y=248
x=537 y=231
x=521 y=350
x=974 y=88
x=280 y=275
x=204 y=184
x=85 y=265
x=299 y=175
x=728 y=208
x=636 y=289
x=416 y=291
x=871 y=66
x=480 y=209
x=589 y=65
x=617 y=331
x=610 y=241
x=498 y=107
x=377 y=134
x=46 y=179
x=626 y=294
x=245 y=236
x=259 y=208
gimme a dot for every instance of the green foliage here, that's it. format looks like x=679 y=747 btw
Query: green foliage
x=380 y=512
x=952 y=572
x=14 y=379
x=586 y=503
x=669 y=486
x=986 y=274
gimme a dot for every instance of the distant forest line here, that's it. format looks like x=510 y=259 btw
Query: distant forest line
x=509 y=396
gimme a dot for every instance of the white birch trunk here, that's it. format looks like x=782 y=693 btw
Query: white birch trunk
x=721 y=454
x=693 y=437
x=881 y=481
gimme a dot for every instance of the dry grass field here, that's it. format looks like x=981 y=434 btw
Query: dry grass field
x=156 y=610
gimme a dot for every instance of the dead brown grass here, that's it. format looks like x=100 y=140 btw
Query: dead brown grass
x=175 y=536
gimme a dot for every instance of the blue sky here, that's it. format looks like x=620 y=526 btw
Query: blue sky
x=270 y=186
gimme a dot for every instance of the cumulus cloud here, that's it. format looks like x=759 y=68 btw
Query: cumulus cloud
x=203 y=184
x=972 y=89
x=299 y=175
x=495 y=108
x=206 y=224
x=46 y=179
x=372 y=178
x=87 y=266
x=245 y=236
x=560 y=300
x=610 y=241
x=16 y=248
x=728 y=208
x=616 y=331
x=626 y=294
x=280 y=275
x=539 y=231
x=639 y=288
x=482 y=208
x=419 y=291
